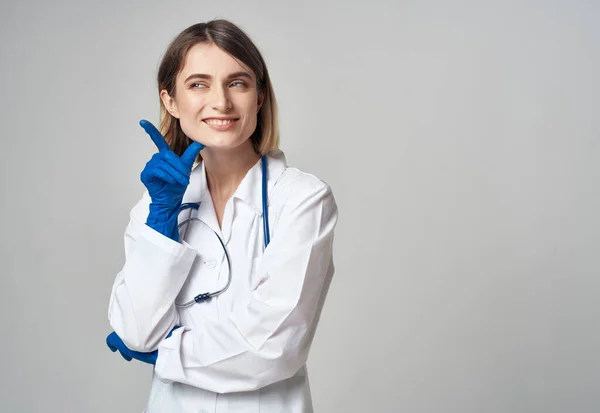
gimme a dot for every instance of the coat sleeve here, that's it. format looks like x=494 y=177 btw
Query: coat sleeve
x=141 y=309
x=268 y=338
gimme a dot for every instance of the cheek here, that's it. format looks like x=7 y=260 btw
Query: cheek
x=250 y=122
x=190 y=105
x=189 y=114
x=189 y=122
x=250 y=110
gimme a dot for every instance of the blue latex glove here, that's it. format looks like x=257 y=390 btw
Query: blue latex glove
x=114 y=343
x=166 y=176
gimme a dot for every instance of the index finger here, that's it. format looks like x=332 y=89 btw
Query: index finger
x=155 y=135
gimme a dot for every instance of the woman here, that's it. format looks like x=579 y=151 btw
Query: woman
x=244 y=349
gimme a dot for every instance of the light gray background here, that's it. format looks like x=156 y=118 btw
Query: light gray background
x=461 y=139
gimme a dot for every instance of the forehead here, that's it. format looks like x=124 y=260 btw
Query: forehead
x=211 y=60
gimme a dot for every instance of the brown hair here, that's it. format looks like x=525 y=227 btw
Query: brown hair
x=230 y=38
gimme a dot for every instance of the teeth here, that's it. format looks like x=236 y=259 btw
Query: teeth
x=218 y=121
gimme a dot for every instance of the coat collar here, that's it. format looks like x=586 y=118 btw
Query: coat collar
x=249 y=190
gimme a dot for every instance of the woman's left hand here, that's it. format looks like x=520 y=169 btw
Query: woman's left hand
x=114 y=343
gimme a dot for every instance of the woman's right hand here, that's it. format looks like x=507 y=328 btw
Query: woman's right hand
x=166 y=176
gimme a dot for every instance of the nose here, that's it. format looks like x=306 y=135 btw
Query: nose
x=220 y=99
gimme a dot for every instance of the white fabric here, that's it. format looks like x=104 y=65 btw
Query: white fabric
x=246 y=350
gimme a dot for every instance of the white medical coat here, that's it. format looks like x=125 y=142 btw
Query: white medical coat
x=245 y=350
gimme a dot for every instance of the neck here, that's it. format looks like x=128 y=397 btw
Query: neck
x=225 y=169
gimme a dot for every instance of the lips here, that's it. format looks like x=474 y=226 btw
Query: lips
x=219 y=122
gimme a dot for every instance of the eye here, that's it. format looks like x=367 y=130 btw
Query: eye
x=238 y=83
x=197 y=85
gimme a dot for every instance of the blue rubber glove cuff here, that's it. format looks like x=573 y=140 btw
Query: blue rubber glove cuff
x=163 y=219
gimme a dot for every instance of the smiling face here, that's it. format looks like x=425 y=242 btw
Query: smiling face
x=216 y=98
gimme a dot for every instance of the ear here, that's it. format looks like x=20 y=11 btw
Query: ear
x=261 y=99
x=169 y=103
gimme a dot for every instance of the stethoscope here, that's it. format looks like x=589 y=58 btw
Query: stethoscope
x=193 y=205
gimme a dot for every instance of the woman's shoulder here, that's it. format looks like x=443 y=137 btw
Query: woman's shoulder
x=301 y=198
x=295 y=186
x=301 y=181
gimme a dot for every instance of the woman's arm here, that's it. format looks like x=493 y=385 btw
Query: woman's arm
x=141 y=309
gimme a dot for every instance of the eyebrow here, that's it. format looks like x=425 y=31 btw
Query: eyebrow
x=208 y=77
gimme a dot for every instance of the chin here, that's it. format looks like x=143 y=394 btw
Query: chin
x=225 y=142
x=220 y=140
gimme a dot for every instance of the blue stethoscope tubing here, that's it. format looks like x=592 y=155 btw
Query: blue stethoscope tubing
x=267 y=238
